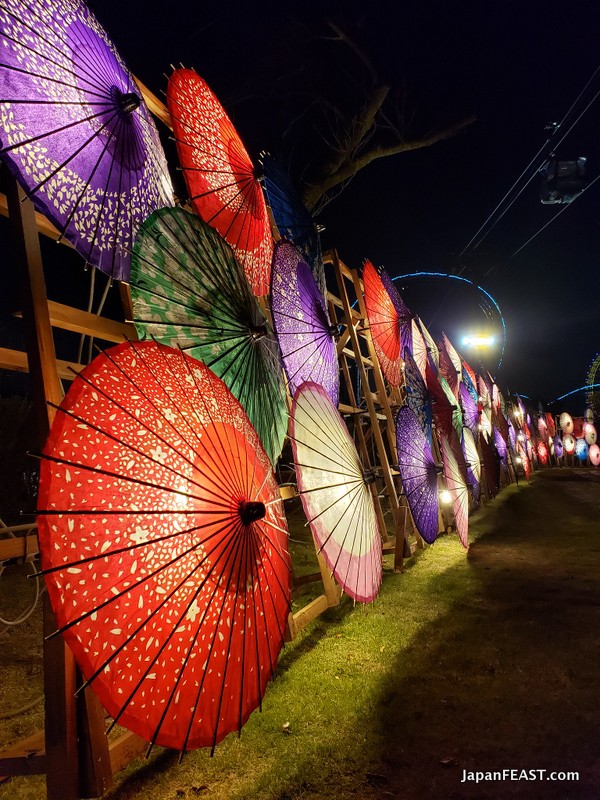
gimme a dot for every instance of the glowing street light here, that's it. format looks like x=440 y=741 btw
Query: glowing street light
x=478 y=341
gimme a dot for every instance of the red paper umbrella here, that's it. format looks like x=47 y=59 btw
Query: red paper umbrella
x=456 y=483
x=542 y=452
x=387 y=321
x=550 y=424
x=164 y=545
x=578 y=431
x=335 y=493
x=220 y=177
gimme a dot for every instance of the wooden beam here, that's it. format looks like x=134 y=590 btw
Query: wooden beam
x=44 y=225
x=68 y=318
x=28 y=757
x=16 y=361
x=18 y=546
x=156 y=106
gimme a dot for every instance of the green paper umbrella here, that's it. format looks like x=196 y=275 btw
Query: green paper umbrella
x=189 y=291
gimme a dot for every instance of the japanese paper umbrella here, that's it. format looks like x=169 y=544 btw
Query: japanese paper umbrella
x=389 y=321
x=188 y=290
x=470 y=409
x=164 y=545
x=491 y=465
x=221 y=180
x=418 y=472
x=301 y=322
x=457 y=486
x=450 y=364
x=335 y=493
x=74 y=130
x=293 y=220
x=418 y=398
x=472 y=461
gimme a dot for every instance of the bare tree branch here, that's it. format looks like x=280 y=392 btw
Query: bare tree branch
x=313 y=192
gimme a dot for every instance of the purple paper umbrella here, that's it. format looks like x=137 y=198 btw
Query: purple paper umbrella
x=501 y=447
x=302 y=324
x=558 y=447
x=418 y=473
x=469 y=448
x=469 y=409
x=75 y=132
x=418 y=398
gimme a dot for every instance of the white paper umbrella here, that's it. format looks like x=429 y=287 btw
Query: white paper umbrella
x=335 y=493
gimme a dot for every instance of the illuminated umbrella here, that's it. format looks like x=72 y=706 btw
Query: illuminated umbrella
x=302 y=324
x=424 y=349
x=588 y=415
x=470 y=410
x=164 y=545
x=455 y=481
x=550 y=424
x=470 y=380
x=418 y=398
x=220 y=177
x=558 y=447
x=75 y=131
x=446 y=410
x=450 y=364
x=294 y=222
x=188 y=290
x=566 y=422
x=335 y=493
x=589 y=433
x=578 y=428
x=594 y=454
x=500 y=444
x=418 y=472
x=581 y=449
x=472 y=461
x=542 y=428
x=512 y=435
x=389 y=321
x=542 y=452
x=523 y=460
x=568 y=444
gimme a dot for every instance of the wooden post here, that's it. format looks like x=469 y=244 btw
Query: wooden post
x=60 y=674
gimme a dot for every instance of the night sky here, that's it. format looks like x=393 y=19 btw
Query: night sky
x=514 y=65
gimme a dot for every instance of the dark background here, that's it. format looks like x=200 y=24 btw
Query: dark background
x=514 y=65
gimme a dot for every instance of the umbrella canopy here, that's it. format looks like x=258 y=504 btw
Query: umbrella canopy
x=471 y=455
x=389 y=321
x=336 y=497
x=581 y=449
x=164 y=545
x=294 y=222
x=75 y=132
x=568 y=444
x=450 y=364
x=566 y=422
x=542 y=452
x=558 y=447
x=418 y=472
x=500 y=444
x=469 y=378
x=491 y=465
x=188 y=290
x=594 y=454
x=455 y=481
x=589 y=433
x=424 y=349
x=221 y=180
x=470 y=409
x=418 y=398
x=550 y=424
x=446 y=410
x=302 y=324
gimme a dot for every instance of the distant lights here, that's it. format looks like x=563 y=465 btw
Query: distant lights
x=478 y=341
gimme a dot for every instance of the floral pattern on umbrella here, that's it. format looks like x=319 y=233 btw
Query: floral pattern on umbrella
x=164 y=545
x=189 y=291
x=221 y=179
x=75 y=131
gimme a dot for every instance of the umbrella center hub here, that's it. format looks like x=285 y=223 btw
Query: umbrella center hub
x=369 y=476
x=335 y=331
x=258 y=332
x=251 y=511
x=126 y=102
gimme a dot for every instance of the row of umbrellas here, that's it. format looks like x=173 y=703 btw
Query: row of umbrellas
x=162 y=531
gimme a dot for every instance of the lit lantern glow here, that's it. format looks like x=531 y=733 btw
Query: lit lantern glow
x=445 y=497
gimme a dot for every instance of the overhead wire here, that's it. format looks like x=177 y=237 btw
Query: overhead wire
x=549 y=142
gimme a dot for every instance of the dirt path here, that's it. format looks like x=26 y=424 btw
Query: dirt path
x=510 y=678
